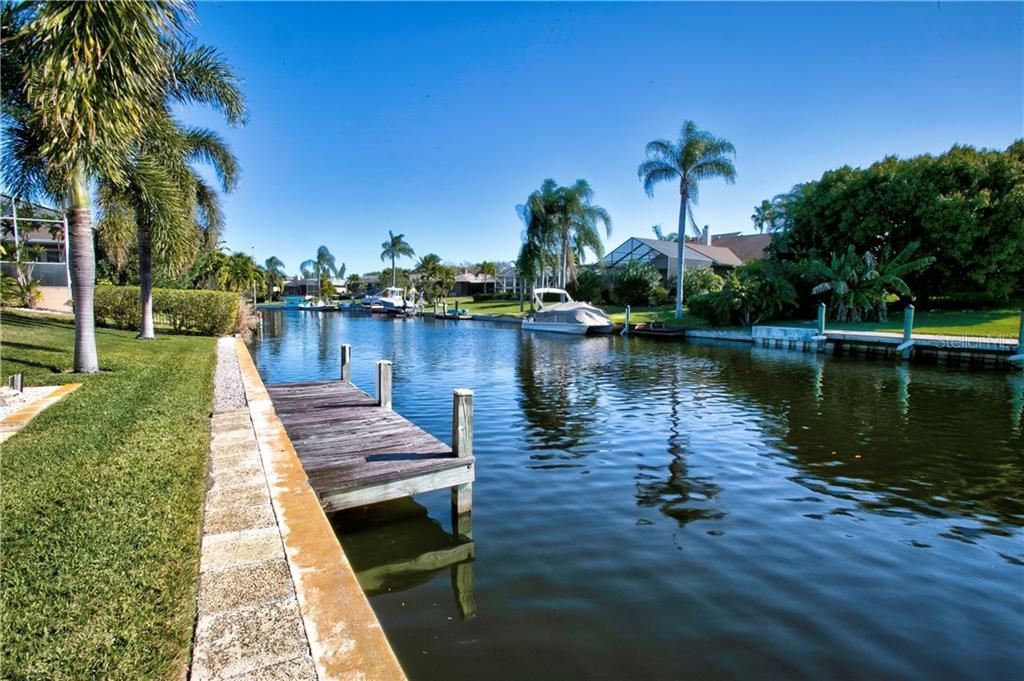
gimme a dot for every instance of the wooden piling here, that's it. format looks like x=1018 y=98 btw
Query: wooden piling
x=462 y=447
x=625 y=329
x=384 y=384
x=907 y=347
x=346 y=362
x=821 y=318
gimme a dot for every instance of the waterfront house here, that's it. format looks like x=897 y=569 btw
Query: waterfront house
x=42 y=231
x=720 y=252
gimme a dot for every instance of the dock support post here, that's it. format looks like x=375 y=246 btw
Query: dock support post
x=908 y=331
x=821 y=319
x=384 y=384
x=625 y=329
x=462 y=446
x=346 y=362
x=1020 y=333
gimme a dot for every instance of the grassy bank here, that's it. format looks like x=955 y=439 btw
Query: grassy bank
x=101 y=505
x=1000 y=323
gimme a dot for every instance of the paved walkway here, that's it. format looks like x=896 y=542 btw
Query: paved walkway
x=277 y=596
x=249 y=624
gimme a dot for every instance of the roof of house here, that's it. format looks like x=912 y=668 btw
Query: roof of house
x=473 y=278
x=718 y=255
x=745 y=246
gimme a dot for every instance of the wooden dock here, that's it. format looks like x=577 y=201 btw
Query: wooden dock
x=355 y=450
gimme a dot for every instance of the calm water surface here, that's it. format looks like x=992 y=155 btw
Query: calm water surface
x=658 y=510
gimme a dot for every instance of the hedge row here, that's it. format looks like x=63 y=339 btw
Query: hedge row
x=211 y=313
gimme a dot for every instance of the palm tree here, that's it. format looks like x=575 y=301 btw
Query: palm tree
x=562 y=224
x=885 y=274
x=239 y=272
x=489 y=269
x=766 y=216
x=79 y=81
x=274 y=275
x=840 y=276
x=578 y=229
x=541 y=218
x=322 y=265
x=395 y=247
x=660 y=235
x=166 y=206
x=696 y=156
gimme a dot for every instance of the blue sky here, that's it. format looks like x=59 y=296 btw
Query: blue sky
x=435 y=120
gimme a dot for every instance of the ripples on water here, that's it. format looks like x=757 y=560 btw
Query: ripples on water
x=657 y=510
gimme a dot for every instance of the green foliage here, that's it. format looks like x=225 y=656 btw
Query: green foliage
x=636 y=283
x=102 y=506
x=354 y=283
x=587 y=286
x=436 y=278
x=965 y=207
x=210 y=313
x=860 y=286
x=701 y=280
x=488 y=297
x=752 y=293
x=696 y=156
x=562 y=224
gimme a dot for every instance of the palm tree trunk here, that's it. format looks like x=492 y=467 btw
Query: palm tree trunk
x=684 y=197
x=393 y=284
x=83 y=275
x=145 y=239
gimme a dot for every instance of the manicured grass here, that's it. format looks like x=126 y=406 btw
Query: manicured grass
x=666 y=314
x=101 y=505
x=1001 y=323
x=492 y=307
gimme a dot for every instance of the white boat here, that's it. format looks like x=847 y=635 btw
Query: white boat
x=568 y=316
x=394 y=300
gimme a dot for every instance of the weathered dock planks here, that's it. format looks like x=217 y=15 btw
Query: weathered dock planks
x=356 y=451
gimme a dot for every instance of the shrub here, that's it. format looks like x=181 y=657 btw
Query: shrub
x=210 y=313
x=14 y=293
x=753 y=293
x=636 y=283
x=587 y=286
x=487 y=297
x=701 y=280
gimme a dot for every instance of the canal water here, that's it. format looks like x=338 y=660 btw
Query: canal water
x=661 y=510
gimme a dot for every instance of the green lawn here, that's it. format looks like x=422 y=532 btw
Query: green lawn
x=1003 y=323
x=101 y=505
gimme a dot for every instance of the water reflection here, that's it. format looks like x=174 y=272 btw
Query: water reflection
x=395 y=546
x=831 y=511
x=558 y=397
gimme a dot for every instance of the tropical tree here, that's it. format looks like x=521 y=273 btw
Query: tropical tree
x=436 y=278
x=696 y=156
x=354 y=284
x=660 y=234
x=395 y=247
x=489 y=269
x=78 y=86
x=165 y=205
x=322 y=268
x=766 y=216
x=578 y=230
x=839 y=276
x=273 y=275
x=540 y=216
x=563 y=224
x=886 y=273
x=239 y=272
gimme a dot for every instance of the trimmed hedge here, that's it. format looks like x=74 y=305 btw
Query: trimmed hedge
x=210 y=313
x=487 y=297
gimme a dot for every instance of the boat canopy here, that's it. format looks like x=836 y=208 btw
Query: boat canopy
x=572 y=313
